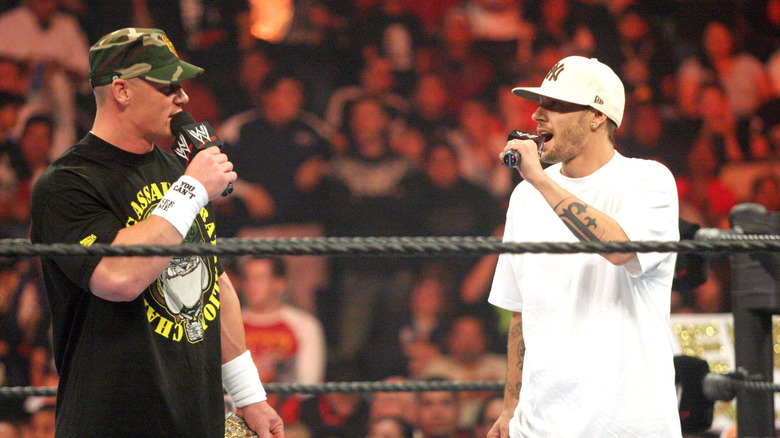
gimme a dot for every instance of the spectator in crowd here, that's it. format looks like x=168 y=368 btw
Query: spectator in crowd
x=765 y=190
x=23 y=330
x=273 y=154
x=467 y=73
x=744 y=81
x=488 y=415
x=211 y=34
x=14 y=173
x=375 y=79
x=423 y=329
x=42 y=422
x=647 y=135
x=447 y=204
x=466 y=358
x=287 y=344
x=56 y=49
x=390 y=30
x=578 y=28
x=765 y=127
x=438 y=413
x=479 y=137
x=389 y=427
x=394 y=404
x=500 y=32
x=431 y=111
x=362 y=195
x=256 y=66
x=648 y=59
x=336 y=414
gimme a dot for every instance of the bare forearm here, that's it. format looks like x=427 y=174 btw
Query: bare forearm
x=515 y=361
x=125 y=278
x=233 y=339
x=585 y=222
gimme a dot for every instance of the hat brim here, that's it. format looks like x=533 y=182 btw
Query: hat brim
x=174 y=73
x=534 y=93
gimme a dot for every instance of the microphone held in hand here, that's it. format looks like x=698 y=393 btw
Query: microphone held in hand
x=512 y=158
x=192 y=137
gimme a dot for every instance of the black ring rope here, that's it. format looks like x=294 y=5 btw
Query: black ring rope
x=312 y=388
x=390 y=246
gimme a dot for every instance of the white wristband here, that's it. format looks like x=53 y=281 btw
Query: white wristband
x=182 y=203
x=240 y=378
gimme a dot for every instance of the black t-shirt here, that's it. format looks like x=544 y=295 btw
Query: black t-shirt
x=149 y=367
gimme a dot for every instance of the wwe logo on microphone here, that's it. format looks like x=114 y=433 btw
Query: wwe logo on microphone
x=182 y=148
x=200 y=133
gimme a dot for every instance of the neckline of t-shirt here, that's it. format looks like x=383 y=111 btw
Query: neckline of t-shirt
x=111 y=152
x=593 y=176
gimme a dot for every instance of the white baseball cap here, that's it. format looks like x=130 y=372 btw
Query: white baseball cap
x=584 y=81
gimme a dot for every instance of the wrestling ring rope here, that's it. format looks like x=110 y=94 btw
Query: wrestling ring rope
x=714 y=386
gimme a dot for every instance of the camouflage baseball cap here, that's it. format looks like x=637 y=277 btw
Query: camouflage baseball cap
x=134 y=52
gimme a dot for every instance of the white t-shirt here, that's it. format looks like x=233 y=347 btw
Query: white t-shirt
x=598 y=359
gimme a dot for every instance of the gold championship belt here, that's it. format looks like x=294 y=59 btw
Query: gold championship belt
x=236 y=427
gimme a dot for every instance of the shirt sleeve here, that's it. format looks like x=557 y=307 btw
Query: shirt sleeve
x=504 y=292
x=650 y=212
x=72 y=214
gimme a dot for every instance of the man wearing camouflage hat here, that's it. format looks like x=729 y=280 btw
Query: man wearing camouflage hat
x=135 y=358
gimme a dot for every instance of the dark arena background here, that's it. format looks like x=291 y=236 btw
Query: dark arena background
x=366 y=135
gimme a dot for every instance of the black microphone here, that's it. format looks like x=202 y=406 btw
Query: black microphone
x=192 y=137
x=512 y=158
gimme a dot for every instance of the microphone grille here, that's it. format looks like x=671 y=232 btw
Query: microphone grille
x=180 y=120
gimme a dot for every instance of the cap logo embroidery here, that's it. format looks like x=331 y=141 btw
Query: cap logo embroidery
x=552 y=75
x=598 y=101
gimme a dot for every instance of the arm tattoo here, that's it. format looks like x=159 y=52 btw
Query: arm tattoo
x=575 y=216
x=514 y=333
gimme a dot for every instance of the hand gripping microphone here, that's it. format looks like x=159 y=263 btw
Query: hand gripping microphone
x=512 y=158
x=192 y=137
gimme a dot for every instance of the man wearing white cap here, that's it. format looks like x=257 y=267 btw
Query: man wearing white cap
x=599 y=354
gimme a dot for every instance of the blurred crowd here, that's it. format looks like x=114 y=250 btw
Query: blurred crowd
x=385 y=118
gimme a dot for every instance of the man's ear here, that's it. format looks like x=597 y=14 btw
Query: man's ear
x=598 y=117
x=122 y=91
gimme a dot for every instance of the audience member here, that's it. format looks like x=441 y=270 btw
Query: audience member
x=437 y=414
x=55 y=47
x=375 y=79
x=422 y=332
x=14 y=173
x=362 y=195
x=23 y=330
x=256 y=66
x=646 y=134
x=745 y=82
x=466 y=358
x=431 y=111
x=488 y=414
x=211 y=34
x=704 y=199
x=287 y=344
x=500 y=32
x=467 y=73
x=449 y=205
x=42 y=422
x=336 y=414
x=273 y=154
x=389 y=29
x=389 y=427
x=395 y=404
x=648 y=59
x=765 y=190
x=765 y=127
x=480 y=136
